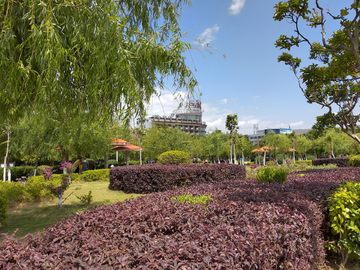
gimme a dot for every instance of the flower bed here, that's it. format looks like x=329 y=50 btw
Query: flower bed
x=246 y=225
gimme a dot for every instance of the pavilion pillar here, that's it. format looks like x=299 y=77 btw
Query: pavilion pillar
x=127 y=158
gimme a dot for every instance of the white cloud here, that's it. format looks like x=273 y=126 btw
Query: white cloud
x=255 y=98
x=236 y=6
x=223 y=101
x=207 y=35
x=164 y=105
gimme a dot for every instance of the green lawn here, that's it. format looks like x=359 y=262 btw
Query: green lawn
x=30 y=218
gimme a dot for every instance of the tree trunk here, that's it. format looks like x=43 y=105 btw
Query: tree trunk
x=140 y=151
x=243 y=159
x=127 y=158
x=6 y=155
x=106 y=159
x=264 y=158
x=60 y=199
x=36 y=164
x=235 y=161
x=9 y=174
x=230 y=150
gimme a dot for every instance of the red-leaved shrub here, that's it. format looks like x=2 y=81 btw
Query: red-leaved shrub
x=247 y=225
x=340 y=162
x=153 y=178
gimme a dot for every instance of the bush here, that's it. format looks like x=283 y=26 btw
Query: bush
x=344 y=213
x=307 y=162
x=354 y=161
x=271 y=175
x=18 y=172
x=131 y=162
x=310 y=157
x=174 y=158
x=154 y=178
x=340 y=162
x=86 y=198
x=189 y=198
x=93 y=175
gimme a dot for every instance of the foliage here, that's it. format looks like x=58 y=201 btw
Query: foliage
x=174 y=158
x=340 y=162
x=47 y=173
x=326 y=81
x=344 y=212
x=191 y=199
x=86 y=198
x=69 y=167
x=254 y=166
x=162 y=138
x=32 y=191
x=18 y=172
x=272 y=175
x=354 y=161
x=59 y=190
x=154 y=178
x=307 y=162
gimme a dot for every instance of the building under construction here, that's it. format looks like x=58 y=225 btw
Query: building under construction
x=187 y=119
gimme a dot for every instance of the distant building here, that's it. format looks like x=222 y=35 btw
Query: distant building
x=255 y=138
x=188 y=119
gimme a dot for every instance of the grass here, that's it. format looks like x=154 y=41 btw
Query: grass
x=30 y=218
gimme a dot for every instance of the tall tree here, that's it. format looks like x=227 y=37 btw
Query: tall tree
x=85 y=60
x=332 y=80
x=231 y=125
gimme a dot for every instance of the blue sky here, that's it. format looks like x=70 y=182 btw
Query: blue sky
x=250 y=81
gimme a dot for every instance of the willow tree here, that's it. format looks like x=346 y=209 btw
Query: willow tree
x=332 y=79
x=87 y=60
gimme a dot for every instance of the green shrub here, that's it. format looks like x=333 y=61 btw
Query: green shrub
x=188 y=198
x=12 y=192
x=131 y=162
x=307 y=162
x=344 y=213
x=310 y=157
x=86 y=198
x=18 y=172
x=93 y=175
x=270 y=163
x=174 y=158
x=354 y=161
x=272 y=175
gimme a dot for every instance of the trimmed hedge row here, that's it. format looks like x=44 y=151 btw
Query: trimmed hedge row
x=18 y=172
x=340 y=162
x=92 y=175
x=154 y=178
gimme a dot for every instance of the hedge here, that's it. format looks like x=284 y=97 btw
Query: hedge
x=90 y=175
x=307 y=162
x=154 y=178
x=340 y=162
x=18 y=172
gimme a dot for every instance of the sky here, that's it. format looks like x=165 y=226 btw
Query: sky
x=250 y=81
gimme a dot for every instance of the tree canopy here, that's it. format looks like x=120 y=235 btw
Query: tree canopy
x=332 y=80
x=94 y=57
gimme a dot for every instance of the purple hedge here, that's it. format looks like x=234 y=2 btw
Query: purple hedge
x=248 y=225
x=153 y=178
x=340 y=162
